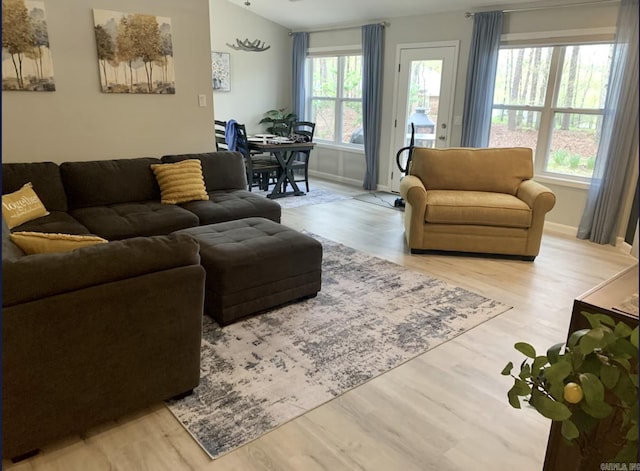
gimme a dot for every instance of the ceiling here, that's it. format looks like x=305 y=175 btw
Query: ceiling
x=300 y=15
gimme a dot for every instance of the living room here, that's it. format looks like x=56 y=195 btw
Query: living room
x=360 y=429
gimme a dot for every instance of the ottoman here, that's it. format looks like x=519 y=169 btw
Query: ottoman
x=255 y=264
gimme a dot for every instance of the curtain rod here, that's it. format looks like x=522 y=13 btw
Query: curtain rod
x=566 y=5
x=339 y=28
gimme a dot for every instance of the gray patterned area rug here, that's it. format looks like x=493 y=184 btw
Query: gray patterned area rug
x=314 y=196
x=370 y=316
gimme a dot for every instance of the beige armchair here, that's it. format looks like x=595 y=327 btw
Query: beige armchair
x=474 y=200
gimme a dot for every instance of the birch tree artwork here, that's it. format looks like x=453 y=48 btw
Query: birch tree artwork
x=26 y=58
x=135 y=52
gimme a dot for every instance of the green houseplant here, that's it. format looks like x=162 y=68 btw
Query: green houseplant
x=279 y=121
x=589 y=385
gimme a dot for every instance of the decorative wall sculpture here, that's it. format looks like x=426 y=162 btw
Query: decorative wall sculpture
x=251 y=46
x=135 y=52
x=26 y=58
x=220 y=69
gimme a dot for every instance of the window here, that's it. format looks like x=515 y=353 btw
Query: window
x=334 y=100
x=552 y=100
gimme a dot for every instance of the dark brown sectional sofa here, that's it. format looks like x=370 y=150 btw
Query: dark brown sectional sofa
x=101 y=331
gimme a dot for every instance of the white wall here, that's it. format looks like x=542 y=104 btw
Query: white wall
x=260 y=81
x=79 y=122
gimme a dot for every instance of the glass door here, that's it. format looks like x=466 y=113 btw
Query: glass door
x=424 y=98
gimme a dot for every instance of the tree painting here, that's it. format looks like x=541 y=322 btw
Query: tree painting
x=26 y=58
x=135 y=52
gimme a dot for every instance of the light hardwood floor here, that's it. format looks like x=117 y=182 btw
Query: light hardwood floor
x=444 y=410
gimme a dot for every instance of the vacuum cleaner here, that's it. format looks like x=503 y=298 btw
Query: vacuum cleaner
x=399 y=202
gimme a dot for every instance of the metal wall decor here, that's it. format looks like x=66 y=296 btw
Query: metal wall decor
x=251 y=46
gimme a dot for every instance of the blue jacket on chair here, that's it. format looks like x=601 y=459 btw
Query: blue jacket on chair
x=230 y=135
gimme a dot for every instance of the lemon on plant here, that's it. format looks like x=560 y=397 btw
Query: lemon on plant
x=573 y=393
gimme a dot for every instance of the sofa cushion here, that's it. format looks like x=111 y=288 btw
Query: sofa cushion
x=21 y=206
x=46 y=180
x=10 y=251
x=43 y=242
x=221 y=170
x=499 y=170
x=228 y=205
x=476 y=208
x=121 y=221
x=55 y=221
x=105 y=182
x=180 y=182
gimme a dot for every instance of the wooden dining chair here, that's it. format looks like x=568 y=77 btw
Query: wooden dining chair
x=302 y=130
x=260 y=168
x=220 y=132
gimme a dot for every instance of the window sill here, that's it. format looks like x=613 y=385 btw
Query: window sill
x=560 y=181
x=343 y=147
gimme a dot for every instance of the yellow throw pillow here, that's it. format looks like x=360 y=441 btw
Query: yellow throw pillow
x=181 y=181
x=22 y=206
x=41 y=242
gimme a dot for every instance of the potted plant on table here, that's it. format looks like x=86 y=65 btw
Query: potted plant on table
x=280 y=121
x=590 y=386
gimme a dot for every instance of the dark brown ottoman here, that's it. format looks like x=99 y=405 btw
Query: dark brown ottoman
x=255 y=264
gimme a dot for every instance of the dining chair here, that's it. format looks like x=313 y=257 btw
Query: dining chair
x=220 y=131
x=302 y=130
x=259 y=168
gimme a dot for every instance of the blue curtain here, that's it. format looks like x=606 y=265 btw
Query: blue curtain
x=300 y=47
x=619 y=138
x=481 y=78
x=372 y=62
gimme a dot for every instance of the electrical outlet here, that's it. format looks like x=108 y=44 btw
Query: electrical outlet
x=202 y=101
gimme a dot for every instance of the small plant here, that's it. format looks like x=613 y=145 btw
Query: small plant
x=591 y=163
x=280 y=121
x=593 y=379
x=574 y=161
x=560 y=157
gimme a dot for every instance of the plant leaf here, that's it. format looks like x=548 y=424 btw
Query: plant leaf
x=626 y=390
x=575 y=337
x=514 y=400
x=506 y=371
x=526 y=349
x=592 y=388
x=596 y=320
x=609 y=375
x=592 y=340
x=525 y=372
x=628 y=454
x=538 y=363
x=569 y=430
x=521 y=388
x=623 y=362
x=622 y=330
x=633 y=338
x=551 y=409
x=632 y=434
x=557 y=372
x=623 y=347
x=599 y=410
x=556 y=390
x=553 y=354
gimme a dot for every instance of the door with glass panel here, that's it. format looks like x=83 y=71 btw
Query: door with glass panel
x=424 y=98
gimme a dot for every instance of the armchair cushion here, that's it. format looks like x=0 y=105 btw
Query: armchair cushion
x=476 y=208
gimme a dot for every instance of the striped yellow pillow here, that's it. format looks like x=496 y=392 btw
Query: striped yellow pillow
x=180 y=182
x=41 y=242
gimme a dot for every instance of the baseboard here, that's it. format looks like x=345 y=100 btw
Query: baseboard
x=345 y=180
x=573 y=231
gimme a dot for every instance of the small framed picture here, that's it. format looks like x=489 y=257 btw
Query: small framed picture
x=220 y=71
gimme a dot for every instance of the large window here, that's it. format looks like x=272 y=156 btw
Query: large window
x=552 y=100
x=334 y=98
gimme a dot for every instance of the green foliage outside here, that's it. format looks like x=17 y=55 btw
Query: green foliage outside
x=602 y=364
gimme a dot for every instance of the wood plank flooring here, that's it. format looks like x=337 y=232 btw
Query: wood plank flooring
x=444 y=410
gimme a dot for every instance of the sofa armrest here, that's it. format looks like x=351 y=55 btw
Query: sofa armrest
x=538 y=197
x=36 y=276
x=414 y=194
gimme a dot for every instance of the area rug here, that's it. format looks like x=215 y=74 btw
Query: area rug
x=370 y=316
x=314 y=196
x=380 y=198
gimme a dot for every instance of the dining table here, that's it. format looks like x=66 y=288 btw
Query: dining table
x=284 y=151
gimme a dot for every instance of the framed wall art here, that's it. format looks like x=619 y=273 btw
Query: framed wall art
x=220 y=70
x=26 y=58
x=135 y=52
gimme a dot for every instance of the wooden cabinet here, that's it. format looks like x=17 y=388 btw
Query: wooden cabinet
x=614 y=298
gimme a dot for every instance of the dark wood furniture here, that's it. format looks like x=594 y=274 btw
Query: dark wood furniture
x=302 y=130
x=284 y=154
x=606 y=298
x=220 y=130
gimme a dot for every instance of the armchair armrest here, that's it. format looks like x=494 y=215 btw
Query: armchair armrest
x=538 y=197
x=36 y=276
x=413 y=191
x=415 y=195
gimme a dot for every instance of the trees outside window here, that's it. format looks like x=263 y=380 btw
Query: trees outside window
x=552 y=100
x=334 y=98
